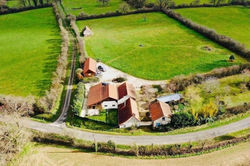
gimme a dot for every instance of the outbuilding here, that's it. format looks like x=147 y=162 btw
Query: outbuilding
x=160 y=113
x=89 y=68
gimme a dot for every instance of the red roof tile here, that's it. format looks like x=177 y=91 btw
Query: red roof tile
x=89 y=66
x=159 y=109
x=101 y=92
x=127 y=110
x=126 y=89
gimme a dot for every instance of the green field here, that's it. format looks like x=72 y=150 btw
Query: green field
x=152 y=46
x=232 y=21
x=29 y=47
x=90 y=6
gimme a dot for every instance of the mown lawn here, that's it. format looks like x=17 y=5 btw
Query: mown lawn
x=29 y=47
x=90 y=6
x=232 y=21
x=152 y=46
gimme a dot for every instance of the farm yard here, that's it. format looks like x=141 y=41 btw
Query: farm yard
x=152 y=46
x=232 y=21
x=29 y=47
x=90 y=7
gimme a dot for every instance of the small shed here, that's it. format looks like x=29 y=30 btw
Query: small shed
x=160 y=113
x=89 y=68
x=86 y=32
x=170 y=98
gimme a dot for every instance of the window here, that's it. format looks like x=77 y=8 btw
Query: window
x=163 y=118
x=113 y=105
x=93 y=107
x=105 y=105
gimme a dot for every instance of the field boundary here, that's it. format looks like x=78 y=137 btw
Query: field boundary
x=148 y=10
x=22 y=9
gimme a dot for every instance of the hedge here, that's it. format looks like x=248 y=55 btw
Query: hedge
x=16 y=10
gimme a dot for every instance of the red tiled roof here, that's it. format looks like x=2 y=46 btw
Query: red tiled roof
x=127 y=110
x=159 y=109
x=89 y=66
x=101 y=92
x=126 y=89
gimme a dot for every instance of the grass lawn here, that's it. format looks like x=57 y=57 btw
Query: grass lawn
x=90 y=6
x=29 y=46
x=152 y=46
x=232 y=21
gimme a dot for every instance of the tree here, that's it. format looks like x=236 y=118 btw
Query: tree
x=124 y=8
x=195 y=2
x=104 y=2
x=165 y=3
x=182 y=119
x=137 y=3
x=231 y=58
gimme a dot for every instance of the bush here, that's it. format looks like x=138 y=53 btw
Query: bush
x=182 y=119
x=79 y=98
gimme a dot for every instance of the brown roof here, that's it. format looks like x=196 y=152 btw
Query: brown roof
x=126 y=89
x=159 y=109
x=89 y=66
x=101 y=92
x=127 y=110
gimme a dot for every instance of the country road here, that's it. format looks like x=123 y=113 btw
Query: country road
x=129 y=140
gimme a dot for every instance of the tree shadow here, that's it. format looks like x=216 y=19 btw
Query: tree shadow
x=50 y=63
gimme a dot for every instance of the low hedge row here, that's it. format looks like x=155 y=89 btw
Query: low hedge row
x=16 y=10
x=211 y=34
x=179 y=83
x=149 y=150
x=116 y=13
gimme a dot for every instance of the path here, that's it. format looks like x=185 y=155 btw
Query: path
x=139 y=140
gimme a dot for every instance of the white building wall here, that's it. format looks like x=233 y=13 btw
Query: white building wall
x=131 y=122
x=160 y=121
x=109 y=105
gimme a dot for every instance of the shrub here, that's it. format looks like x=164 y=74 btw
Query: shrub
x=79 y=98
x=119 y=79
x=182 y=119
x=124 y=8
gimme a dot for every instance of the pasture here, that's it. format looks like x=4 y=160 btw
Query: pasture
x=232 y=21
x=90 y=7
x=29 y=47
x=153 y=46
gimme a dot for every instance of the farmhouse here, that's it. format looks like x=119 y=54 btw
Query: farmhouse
x=160 y=113
x=89 y=68
x=128 y=114
x=102 y=96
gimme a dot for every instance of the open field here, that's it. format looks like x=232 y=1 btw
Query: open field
x=152 y=46
x=29 y=47
x=232 y=21
x=59 y=156
x=90 y=6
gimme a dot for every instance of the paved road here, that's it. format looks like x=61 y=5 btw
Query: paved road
x=61 y=119
x=139 y=140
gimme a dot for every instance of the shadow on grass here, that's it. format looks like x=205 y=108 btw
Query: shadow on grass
x=54 y=45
